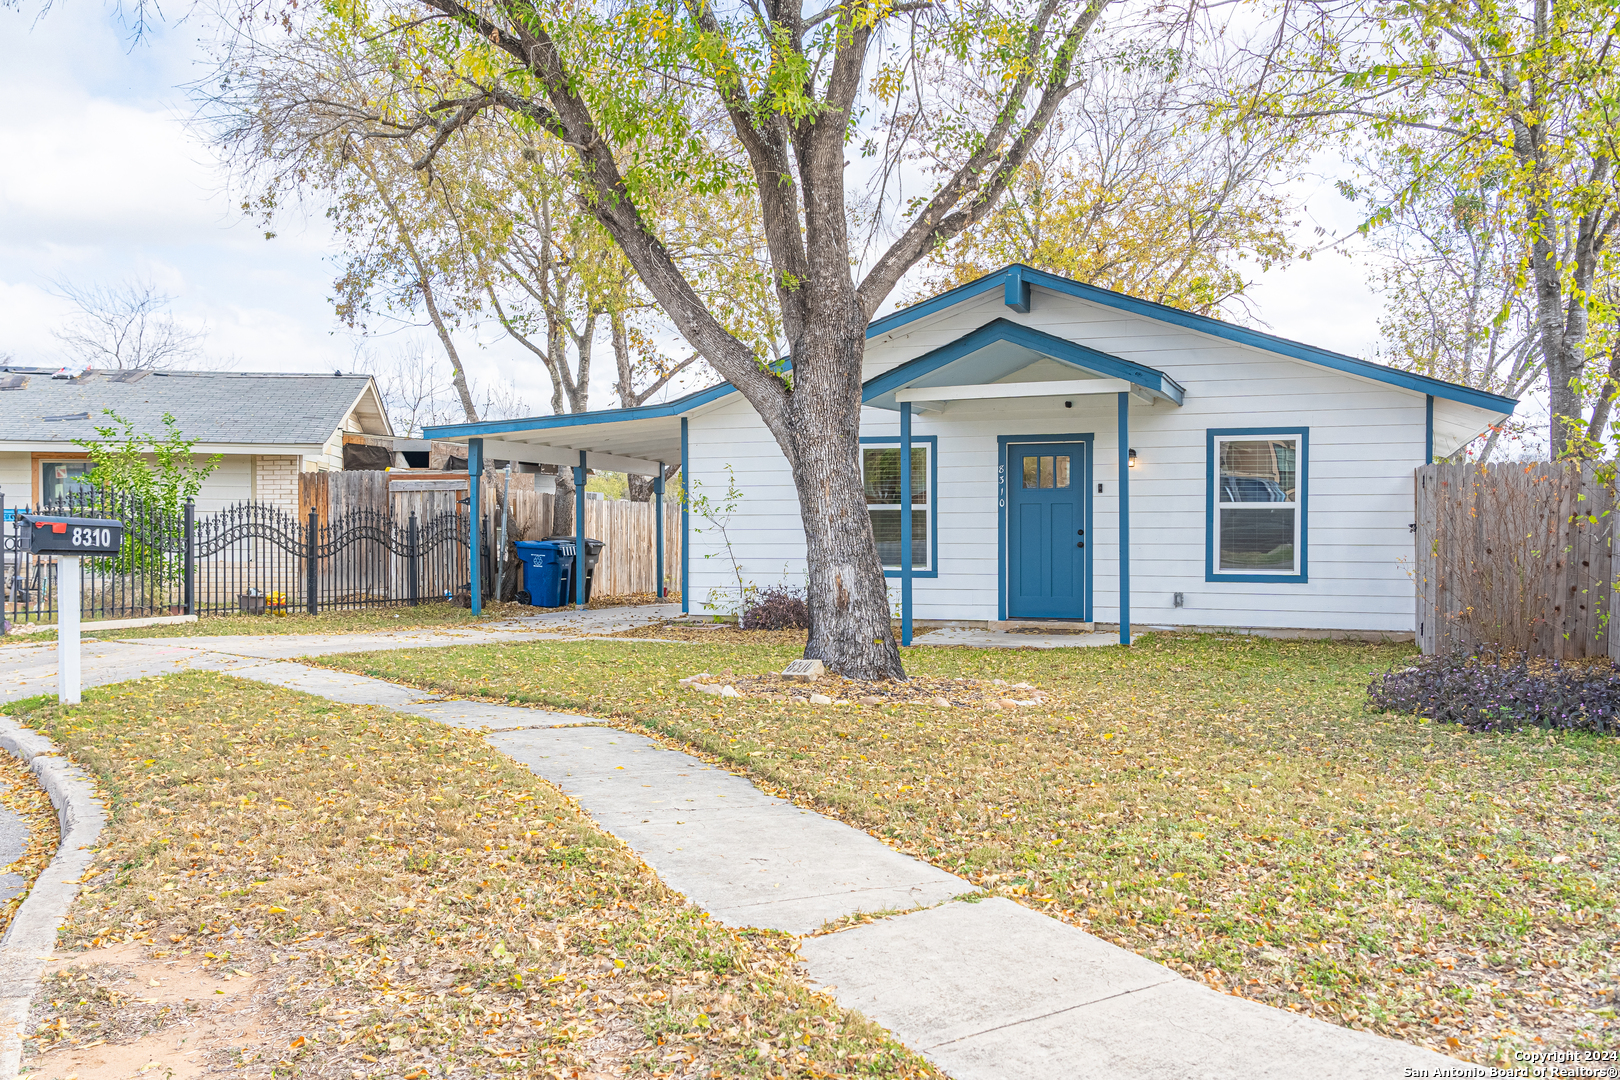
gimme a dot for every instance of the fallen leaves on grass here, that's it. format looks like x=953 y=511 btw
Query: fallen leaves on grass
x=403 y=899
x=918 y=690
x=34 y=823
x=714 y=633
x=1225 y=806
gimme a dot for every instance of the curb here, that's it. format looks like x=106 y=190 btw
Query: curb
x=31 y=940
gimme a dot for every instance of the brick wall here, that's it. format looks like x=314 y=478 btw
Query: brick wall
x=275 y=481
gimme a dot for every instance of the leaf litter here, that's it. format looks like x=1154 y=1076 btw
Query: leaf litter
x=1226 y=806
x=372 y=894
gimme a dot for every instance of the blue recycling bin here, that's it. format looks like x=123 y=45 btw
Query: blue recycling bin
x=543 y=571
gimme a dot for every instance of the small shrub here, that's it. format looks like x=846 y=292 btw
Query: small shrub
x=1483 y=693
x=779 y=607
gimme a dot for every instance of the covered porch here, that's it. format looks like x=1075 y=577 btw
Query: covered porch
x=1043 y=513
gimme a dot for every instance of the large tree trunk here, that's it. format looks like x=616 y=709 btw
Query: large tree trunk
x=848 y=597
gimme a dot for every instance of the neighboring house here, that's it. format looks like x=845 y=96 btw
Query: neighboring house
x=1259 y=482
x=268 y=427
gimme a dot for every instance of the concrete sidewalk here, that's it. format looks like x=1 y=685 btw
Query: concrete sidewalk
x=985 y=988
x=29 y=669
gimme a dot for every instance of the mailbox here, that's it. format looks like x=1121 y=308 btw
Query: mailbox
x=70 y=535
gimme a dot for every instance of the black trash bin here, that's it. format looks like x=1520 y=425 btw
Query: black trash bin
x=593 y=551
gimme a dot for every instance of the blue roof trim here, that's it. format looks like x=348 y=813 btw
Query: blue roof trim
x=1025 y=276
x=1050 y=344
x=604 y=416
x=1014 y=281
x=944 y=300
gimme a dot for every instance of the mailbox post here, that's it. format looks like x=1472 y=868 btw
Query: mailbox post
x=69 y=539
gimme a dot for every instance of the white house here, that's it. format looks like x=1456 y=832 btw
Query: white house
x=1079 y=456
x=267 y=427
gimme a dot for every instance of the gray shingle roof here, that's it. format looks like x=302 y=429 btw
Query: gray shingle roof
x=209 y=406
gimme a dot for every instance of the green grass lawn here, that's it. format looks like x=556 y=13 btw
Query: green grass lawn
x=1226 y=806
x=405 y=900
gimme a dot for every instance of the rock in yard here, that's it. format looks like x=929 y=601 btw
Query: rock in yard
x=729 y=691
x=942 y=703
x=820 y=699
x=870 y=699
x=804 y=670
x=691 y=680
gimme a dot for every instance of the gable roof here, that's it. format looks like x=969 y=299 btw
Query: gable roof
x=1016 y=280
x=1016 y=283
x=975 y=350
x=211 y=407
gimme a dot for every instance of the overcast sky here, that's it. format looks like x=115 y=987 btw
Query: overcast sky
x=103 y=181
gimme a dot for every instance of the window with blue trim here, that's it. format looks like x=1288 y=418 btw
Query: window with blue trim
x=1259 y=493
x=880 y=472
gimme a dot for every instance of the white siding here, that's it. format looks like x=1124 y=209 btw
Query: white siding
x=1365 y=440
x=15 y=484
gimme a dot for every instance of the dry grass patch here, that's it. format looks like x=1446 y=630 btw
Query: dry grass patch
x=1226 y=806
x=378 y=895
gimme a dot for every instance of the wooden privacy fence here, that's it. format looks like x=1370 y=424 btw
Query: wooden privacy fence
x=627 y=565
x=628 y=528
x=1517 y=556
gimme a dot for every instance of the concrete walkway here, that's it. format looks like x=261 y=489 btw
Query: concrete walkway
x=29 y=669
x=983 y=987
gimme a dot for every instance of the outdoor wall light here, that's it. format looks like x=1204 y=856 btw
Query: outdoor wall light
x=1133 y=459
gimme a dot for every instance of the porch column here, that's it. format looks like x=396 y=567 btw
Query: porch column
x=905 y=523
x=475 y=562
x=1125 y=518
x=579 y=532
x=658 y=529
x=686 y=526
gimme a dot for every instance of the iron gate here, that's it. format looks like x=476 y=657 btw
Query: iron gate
x=250 y=558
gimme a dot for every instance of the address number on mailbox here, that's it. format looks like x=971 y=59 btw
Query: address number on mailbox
x=71 y=536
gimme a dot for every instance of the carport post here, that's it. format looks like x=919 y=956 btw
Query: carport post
x=1125 y=519
x=579 y=532
x=658 y=513
x=475 y=568
x=686 y=526
x=905 y=523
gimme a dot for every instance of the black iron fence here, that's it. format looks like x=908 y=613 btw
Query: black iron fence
x=250 y=558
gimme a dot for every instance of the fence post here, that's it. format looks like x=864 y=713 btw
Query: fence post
x=311 y=578
x=191 y=557
x=412 y=561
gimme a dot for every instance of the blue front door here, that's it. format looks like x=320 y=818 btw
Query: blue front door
x=1048 y=528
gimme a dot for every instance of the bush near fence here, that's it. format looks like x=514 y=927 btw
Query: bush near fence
x=1515 y=556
